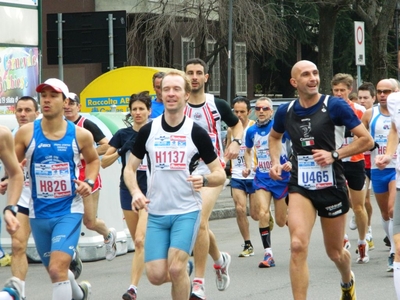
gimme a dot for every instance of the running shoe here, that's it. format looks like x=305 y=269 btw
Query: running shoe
x=247 y=251
x=129 y=295
x=370 y=241
x=390 y=263
x=267 y=262
x=5 y=260
x=363 y=257
x=13 y=287
x=222 y=279
x=197 y=291
x=111 y=246
x=346 y=242
x=76 y=264
x=387 y=242
x=352 y=223
x=271 y=221
x=86 y=289
x=349 y=293
x=189 y=267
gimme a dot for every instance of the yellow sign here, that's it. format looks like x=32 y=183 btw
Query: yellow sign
x=112 y=90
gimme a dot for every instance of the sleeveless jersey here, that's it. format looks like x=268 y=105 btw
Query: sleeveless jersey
x=238 y=164
x=52 y=166
x=393 y=105
x=208 y=117
x=172 y=157
x=379 y=128
x=349 y=137
x=257 y=137
x=315 y=131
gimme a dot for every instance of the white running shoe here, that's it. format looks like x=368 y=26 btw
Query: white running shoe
x=13 y=287
x=363 y=257
x=222 y=276
x=352 y=223
x=346 y=242
x=111 y=246
x=87 y=289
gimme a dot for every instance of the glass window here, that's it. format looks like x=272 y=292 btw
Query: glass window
x=240 y=69
x=188 y=50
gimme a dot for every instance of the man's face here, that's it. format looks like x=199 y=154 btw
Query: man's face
x=240 y=109
x=365 y=98
x=383 y=89
x=25 y=112
x=71 y=109
x=263 y=110
x=305 y=78
x=51 y=103
x=341 y=90
x=157 y=87
x=173 y=93
x=195 y=72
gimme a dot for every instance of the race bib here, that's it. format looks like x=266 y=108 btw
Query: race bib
x=170 y=153
x=264 y=161
x=311 y=175
x=53 y=180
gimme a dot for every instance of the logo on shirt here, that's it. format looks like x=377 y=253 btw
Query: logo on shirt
x=197 y=116
x=41 y=145
x=306 y=140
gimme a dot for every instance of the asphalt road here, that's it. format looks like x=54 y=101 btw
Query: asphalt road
x=110 y=279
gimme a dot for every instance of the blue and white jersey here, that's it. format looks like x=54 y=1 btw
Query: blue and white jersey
x=379 y=128
x=52 y=167
x=257 y=137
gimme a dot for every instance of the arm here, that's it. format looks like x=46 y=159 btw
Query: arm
x=393 y=140
x=215 y=178
x=247 y=161
x=228 y=141
x=366 y=118
x=275 y=148
x=109 y=157
x=85 y=142
x=15 y=176
x=102 y=146
x=232 y=151
x=139 y=200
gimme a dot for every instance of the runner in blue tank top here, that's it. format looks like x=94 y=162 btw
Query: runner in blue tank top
x=52 y=147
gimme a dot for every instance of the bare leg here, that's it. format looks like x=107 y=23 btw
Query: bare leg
x=90 y=219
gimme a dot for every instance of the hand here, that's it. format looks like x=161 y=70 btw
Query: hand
x=83 y=188
x=246 y=172
x=287 y=166
x=232 y=151
x=3 y=186
x=12 y=223
x=382 y=161
x=139 y=201
x=322 y=157
x=197 y=182
x=275 y=172
x=126 y=147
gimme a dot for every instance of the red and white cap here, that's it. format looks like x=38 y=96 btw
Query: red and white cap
x=54 y=83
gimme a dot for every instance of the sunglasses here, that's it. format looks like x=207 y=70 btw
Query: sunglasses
x=264 y=108
x=386 y=92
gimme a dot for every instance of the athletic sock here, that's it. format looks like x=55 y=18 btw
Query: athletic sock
x=265 y=237
x=220 y=260
x=77 y=292
x=62 y=291
x=396 y=278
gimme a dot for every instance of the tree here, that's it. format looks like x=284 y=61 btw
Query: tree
x=256 y=23
x=378 y=18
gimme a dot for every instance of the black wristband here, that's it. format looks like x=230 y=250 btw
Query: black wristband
x=4 y=178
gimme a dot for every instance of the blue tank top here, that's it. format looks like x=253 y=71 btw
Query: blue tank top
x=53 y=165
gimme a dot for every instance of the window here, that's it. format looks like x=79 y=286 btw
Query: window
x=150 y=57
x=188 y=50
x=240 y=69
x=214 y=82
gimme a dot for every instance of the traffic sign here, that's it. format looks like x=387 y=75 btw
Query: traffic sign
x=359 y=41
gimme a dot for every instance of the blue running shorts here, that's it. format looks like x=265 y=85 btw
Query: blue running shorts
x=56 y=234
x=170 y=231
x=277 y=188
x=381 y=179
x=245 y=185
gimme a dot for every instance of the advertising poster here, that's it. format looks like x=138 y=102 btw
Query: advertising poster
x=19 y=75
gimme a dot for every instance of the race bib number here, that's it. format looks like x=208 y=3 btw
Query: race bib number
x=170 y=153
x=312 y=176
x=264 y=161
x=239 y=161
x=53 y=180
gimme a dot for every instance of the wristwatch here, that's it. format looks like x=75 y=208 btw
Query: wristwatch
x=89 y=182
x=205 y=180
x=335 y=155
x=12 y=208
x=239 y=141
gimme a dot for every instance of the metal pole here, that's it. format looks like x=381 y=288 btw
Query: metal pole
x=111 y=40
x=229 y=83
x=358 y=75
x=397 y=40
x=60 y=47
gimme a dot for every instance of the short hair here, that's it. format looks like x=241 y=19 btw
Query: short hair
x=396 y=84
x=347 y=79
x=158 y=75
x=368 y=86
x=197 y=61
x=242 y=100
x=187 y=86
x=353 y=96
x=266 y=99
x=28 y=98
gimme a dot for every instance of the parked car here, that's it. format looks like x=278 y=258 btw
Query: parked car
x=224 y=128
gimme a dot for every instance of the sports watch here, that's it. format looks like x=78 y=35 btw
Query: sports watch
x=89 y=182
x=12 y=208
x=239 y=141
x=205 y=180
x=335 y=155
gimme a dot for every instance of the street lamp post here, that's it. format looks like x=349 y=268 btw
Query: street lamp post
x=397 y=37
